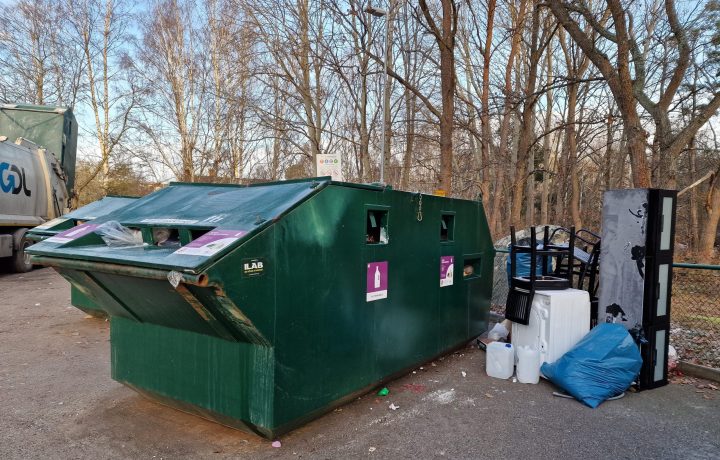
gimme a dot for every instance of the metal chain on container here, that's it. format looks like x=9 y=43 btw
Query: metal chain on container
x=419 y=212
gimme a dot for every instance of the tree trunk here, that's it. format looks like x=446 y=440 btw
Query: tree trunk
x=447 y=89
x=712 y=213
x=544 y=218
x=445 y=39
x=409 y=139
x=387 y=89
x=502 y=154
x=307 y=95
x=694 y=222
x=527 y=131
x=487 y=172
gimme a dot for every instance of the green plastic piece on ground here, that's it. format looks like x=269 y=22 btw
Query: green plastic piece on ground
x=384 y=392
x=272 y=304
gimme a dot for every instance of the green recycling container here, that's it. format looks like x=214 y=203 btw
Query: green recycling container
x=72 y=219
x=261 y=307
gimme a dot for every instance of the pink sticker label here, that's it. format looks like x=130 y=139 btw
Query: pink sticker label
x=377 y=281
x=447 y=270
x=211 y=243
x=73 y=233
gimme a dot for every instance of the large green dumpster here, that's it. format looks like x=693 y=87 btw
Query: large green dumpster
x=89 y=212
x=271 y=304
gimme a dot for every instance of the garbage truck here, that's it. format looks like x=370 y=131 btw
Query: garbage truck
x=38 y=145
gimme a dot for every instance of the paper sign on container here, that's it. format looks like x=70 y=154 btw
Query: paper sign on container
x=377 y=281
x=447 y=270
x=73 y=233
x=211 y=243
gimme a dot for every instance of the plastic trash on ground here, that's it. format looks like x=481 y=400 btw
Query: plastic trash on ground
x=602 y=365
x=528 y=365
x=498 y=332
x=672 y=358
x=500 y=360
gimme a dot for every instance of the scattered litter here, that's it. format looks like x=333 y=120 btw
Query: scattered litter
x=76 y=333
x=372 y=449
x=464 y=374
x=37 y=304
x=276 y=444
x=442 y=396
x=421 y=368
x=433 y=364
x=414 y=372
x=392 y=406
x=60 y=403
x=488 y=395
x=499 y=331
x=514 y=380
x=384 y=392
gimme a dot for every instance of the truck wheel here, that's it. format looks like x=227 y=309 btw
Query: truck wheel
x=21 y=259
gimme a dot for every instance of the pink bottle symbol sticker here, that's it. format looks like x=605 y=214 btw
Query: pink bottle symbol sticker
x=447 y=270
x=377 y=281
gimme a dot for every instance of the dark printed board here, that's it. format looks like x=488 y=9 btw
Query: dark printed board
x=622 y=265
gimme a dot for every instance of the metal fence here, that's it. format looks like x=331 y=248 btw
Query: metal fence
x=694 y=312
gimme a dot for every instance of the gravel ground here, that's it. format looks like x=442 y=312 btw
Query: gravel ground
x=57 y=401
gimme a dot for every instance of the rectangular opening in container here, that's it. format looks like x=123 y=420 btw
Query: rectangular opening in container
x=376 y=231
x=447 y=227
x=471 y=267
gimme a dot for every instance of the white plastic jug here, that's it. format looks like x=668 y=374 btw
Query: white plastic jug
x=528 y=365
x=500 y=360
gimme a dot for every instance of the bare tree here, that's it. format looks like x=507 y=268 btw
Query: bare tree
x=628 y=79
x=100 y=27
x=176 y=83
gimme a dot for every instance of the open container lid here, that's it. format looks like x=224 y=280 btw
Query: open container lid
x=210 y=219
x=101 y=207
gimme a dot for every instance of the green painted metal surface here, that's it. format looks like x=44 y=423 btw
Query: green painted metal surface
x=53 y=128
x=277 y=327
x=89 y=212
x=81 y=215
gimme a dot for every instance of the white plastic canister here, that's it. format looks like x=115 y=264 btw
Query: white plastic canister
x=500 y=360
x=528 y=365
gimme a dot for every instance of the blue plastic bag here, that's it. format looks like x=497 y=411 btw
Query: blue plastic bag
x=522 y=266
x=602 y=365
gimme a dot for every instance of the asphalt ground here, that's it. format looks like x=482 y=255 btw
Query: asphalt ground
x=57 y=400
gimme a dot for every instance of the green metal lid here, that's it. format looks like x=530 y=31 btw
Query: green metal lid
x=99 y=208
x=210 y=220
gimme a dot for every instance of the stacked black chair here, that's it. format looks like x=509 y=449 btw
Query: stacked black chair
x=585 y=264
x=522 y=288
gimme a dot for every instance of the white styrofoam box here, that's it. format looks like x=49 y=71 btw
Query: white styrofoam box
x=558 y=320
